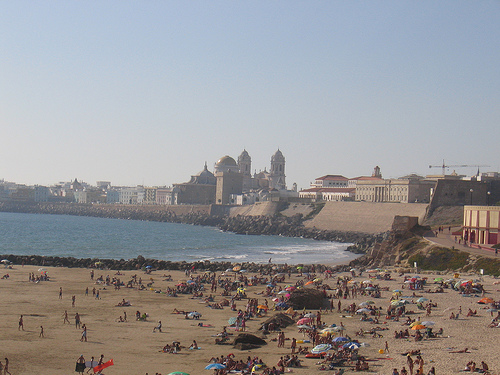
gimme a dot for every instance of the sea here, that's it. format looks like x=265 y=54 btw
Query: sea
x=90 y=237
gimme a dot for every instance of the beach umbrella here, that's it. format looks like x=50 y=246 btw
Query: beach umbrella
x=398 y=291
x=370 y=302
x=418 y=326
x=428 y=323
x=256 y=367
x=318 y=280
x=364 y=304
x=178 y=373
x=304 y=321
x=328 y=330
x=370 y=288
x=310 y=315
x=283 y=292
x=309 y=282
x=340 y=339
x=236 y=268
x=339 y=328
x=422 y=299
x=262 y=307
x=321 y=348
x=6 y=261
x=303 y=326
x=232 y=321
x=290 y=288
x=485 y=300
x=352 y=345
x=363 y=311
x=42 y=270
x=194 y=314
x=215 y=366
x=416 y=323
x=438 y=279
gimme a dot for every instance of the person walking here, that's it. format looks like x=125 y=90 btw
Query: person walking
x=84 y=333
x=21 y=323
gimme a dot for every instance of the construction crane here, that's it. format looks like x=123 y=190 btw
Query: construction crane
x=444 y=166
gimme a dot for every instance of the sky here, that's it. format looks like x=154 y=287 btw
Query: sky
x=146 y=92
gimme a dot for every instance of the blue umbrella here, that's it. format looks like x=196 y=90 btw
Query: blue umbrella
x=352 y=345
x=215 y=366
x=339 y=339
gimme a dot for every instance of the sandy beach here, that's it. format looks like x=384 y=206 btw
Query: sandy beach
x=136 y=349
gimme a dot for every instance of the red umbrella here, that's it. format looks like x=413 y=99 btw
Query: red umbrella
x=304 y=321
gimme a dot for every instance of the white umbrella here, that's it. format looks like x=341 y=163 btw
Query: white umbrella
x=310 y=315
x=321 y=348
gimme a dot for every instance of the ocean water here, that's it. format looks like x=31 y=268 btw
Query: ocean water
x=88 y=237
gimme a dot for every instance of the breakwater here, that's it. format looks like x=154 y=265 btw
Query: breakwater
x=140 y=263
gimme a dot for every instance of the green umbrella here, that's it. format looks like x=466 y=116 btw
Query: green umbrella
x=178 y=373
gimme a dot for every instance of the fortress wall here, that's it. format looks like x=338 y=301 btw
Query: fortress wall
x=364 y=217
x=257 y=209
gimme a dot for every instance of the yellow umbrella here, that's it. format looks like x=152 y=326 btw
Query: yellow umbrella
x=415 y=323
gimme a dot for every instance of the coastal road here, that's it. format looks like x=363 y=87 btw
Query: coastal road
x=446 y=239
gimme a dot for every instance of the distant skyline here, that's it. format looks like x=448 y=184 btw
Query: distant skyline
x=147 y=92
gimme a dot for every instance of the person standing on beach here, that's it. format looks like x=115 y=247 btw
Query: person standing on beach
x=21 y=323
x=80 y=364
x=6 y=367
x=410 y=363
x=60 y=292
x=73 y=299
x=41 y=332
x=77 y=320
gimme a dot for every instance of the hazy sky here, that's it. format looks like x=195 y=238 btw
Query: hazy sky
x=144 y=92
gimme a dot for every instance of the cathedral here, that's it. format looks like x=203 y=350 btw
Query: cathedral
x=274 y=179
x=230 y=179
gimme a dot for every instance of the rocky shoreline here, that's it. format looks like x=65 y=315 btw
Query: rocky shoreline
x=245 y=225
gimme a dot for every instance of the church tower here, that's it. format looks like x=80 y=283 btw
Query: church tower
x=245 y=167
x=277 y=174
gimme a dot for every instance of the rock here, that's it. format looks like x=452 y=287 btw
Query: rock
x=245 y=339
x=306 y=298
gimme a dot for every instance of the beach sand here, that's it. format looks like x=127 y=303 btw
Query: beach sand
x=135 y=348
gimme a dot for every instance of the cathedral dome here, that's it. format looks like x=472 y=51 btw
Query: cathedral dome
x=204 y=177
x=226 y=164
x=226 y=161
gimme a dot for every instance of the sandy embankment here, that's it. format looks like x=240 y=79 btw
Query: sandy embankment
x=135 y=348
